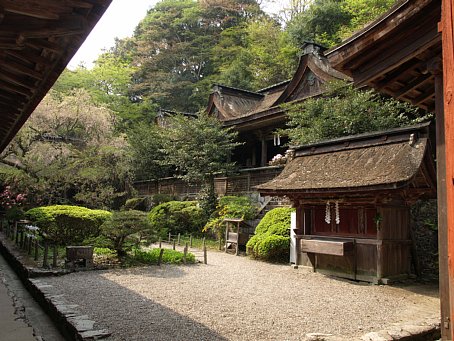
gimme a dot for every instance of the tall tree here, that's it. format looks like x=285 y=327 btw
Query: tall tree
x=174 y=43
x=255 y=55
x=328 y=22
x=198 y=149
x=67 y=153
x=343 y=111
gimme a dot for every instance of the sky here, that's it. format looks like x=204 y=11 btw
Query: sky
x=119 y=21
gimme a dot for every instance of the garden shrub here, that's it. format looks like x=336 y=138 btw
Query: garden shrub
x=177 y=217
x=140 y=204
x=162 y=198
x=231 y=207
x=124 y=229
x=271 y=240
x=66 y=225
x=169 y=256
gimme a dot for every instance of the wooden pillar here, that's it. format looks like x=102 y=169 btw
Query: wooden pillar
x=436 y=68
x=448 y=82
x=264 y=152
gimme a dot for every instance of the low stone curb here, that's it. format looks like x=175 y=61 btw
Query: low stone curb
x=71 y=323
x=425 y=330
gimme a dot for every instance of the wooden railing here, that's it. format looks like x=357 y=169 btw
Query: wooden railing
x=26 y=238
x=241 y=183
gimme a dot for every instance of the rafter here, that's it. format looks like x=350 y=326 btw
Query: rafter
x=414 y=84
x=15 y=89
x=19 y=68
x=40 y=9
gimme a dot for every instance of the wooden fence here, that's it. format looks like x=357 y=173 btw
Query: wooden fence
x=241 y=183
x=25 y=237
x=176 y=239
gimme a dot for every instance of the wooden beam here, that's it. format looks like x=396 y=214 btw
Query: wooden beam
x=396 y=74
x=397 y=56
x=413 y=85
x=15 y=89
x=16 y=79
x=40 y=9
x=19 y=68
x=45 y=45
x=29 y=57
x=424 y=97
x=448 y=88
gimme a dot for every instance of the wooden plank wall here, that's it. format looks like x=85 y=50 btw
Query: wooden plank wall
x=448 y=80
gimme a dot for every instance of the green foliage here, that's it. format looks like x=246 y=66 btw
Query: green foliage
x=139 y=204
x=103 y=251
x=344 y=110
x=66 y=225
x=162 y=198
x=14 y=214
x=230 y=207
x=198 y=149
x=177 y=217
x=328 y=22
x=125 y=229
x=146 y=145
x=271 y=240
x=274 y=248
x=168 y=257
x=254 y=55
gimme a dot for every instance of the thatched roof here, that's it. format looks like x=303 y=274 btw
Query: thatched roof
x=377 y=161
x=37 y=40
x=236 y=107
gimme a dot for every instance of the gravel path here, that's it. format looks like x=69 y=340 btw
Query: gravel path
x=236 y=298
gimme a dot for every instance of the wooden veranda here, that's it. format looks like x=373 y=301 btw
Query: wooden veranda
x=408 y=54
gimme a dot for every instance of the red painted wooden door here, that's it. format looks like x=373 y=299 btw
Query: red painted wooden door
x=448 y=75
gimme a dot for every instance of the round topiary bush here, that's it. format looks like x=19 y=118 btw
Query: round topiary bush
x=66 y=225
x=271 y=240
x=177 y=217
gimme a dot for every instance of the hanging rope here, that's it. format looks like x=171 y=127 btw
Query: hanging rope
x=337 y=213
x=327 y=213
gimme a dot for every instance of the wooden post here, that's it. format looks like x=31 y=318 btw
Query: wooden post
x=170 y=237
x=161 y=252
x=54 y=256
x=204 y=252
x=46 y=251
x=185 y=253
x=226 y=235
x=160 y=242
x=220 y=243
x=174 y=244
x=30 y=243
x=179 y=237
x=448 y=98
x=16 y=233
x=264 y=155
x=36 y=249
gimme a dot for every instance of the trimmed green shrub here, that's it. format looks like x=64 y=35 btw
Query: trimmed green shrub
x=66 y=225
x=124 y=229
x=169 y=256
x=177 y=217
x=231 y=207
x=162 y=198
x=271 y=240
x=139 y=204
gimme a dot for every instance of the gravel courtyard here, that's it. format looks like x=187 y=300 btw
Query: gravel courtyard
x=236 y=298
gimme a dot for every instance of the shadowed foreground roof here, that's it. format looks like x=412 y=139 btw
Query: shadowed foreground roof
x=37 y=40
x=386 y=160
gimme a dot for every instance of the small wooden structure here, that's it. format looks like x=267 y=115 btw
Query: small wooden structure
x=79 y=256
x=352 y=197
x=237 y=233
